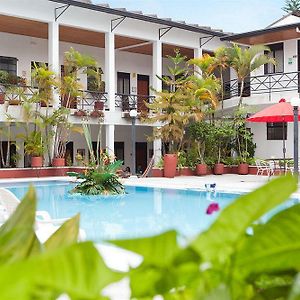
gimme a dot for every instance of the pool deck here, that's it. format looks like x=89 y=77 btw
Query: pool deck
x=231 y=183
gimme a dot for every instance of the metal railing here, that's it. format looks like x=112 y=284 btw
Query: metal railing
x=16 y=94
x=91 y=100
x=129 y=102
x=263 y=84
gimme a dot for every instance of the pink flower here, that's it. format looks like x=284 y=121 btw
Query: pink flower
x=212 y=207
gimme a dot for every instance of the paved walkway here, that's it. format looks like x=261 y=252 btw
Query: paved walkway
x=226 y=182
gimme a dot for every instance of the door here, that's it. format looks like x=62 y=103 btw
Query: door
x=141 y=157
x=123 y=89
x=119 y=151
x=69 y=154
x=143 y=92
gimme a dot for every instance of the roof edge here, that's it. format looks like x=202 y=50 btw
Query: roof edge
x=258 y=32
x=146 y=18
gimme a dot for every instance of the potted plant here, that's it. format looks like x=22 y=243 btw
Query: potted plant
x=158 y=169
x=35 y=148
x=176 y=106
x=243 y=141
x=202 y=133
x=223 y=135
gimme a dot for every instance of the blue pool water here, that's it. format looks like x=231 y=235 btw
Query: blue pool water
x=141 y=212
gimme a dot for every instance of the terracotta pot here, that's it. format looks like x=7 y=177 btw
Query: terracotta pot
x=201 y=169
x=80 y=113
x=243 y=169
x=58 y=162
x=2 y=98
x=96 y=114
x=186 y=172
x=36 y=161
x=156 y=172
x=219 y=169
x=99 y=105
x=170 y=163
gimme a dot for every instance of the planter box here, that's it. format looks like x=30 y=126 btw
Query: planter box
x=37 y=172
x=156 y=172
x=187 y=172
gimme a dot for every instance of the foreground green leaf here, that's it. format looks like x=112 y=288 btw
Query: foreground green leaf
x=77 y=270
x=219 y=241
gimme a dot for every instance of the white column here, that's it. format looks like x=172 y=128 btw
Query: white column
x=110 y=69
x=157 y=65
x=53 y=54
x=197 y=54
x=110 y=138
x=157 y=85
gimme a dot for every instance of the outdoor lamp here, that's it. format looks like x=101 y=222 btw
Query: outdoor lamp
x=295 y=102
x=133 y=115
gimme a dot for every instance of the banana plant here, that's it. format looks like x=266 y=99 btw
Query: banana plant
x=31 y=270
x=238 y=257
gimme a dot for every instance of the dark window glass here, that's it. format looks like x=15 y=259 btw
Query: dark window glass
x=8 y=64
x=278 y=54
x=276 y=131
x=119 y=151
x=123 y=83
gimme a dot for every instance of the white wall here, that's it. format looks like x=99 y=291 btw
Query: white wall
x=271 y=149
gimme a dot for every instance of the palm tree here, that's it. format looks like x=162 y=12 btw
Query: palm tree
x=244 y=61
x=186 y=101
x=291 y=6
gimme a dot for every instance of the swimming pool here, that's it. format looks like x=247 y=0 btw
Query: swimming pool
x=141 y=212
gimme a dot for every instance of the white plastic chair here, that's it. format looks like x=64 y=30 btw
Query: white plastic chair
x=45 y=225
x=263 y=166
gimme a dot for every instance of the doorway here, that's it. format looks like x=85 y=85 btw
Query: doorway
x=123 y=89
x=142 y=91
x=141 y=157
x=69 y=154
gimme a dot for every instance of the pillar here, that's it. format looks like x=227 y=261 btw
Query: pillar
x=197 y=54
x=110 y=69
x=110 y=138
x=157 y=85
x=157 y=65
x=53 y=55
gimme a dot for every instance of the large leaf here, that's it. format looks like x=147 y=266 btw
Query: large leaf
x=219 y=241
x=157 y=250
x=295 y=291
x=274 y=247
x=17 y=236
x=66 y=235
x=77 y=270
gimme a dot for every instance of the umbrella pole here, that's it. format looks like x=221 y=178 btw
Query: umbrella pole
x=284 y=149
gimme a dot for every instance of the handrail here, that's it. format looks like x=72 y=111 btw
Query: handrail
x=129 y=102
x=263 y=84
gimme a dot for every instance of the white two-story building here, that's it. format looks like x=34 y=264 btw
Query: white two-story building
x=271 y=83
x=130 y=47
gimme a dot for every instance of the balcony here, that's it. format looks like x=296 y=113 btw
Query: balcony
x=129 y=102
x=263 y=84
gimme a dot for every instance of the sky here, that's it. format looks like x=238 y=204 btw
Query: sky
x=230 y=15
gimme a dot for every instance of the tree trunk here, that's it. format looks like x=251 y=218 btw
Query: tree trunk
x=241 y=93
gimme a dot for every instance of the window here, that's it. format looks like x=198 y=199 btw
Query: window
x=277 y=53
x=276 y=131
x=8 y=64
x=119 y=151
x=92 y=84
x=123 y=85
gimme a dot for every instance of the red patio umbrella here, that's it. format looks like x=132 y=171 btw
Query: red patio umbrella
x=280 y=112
